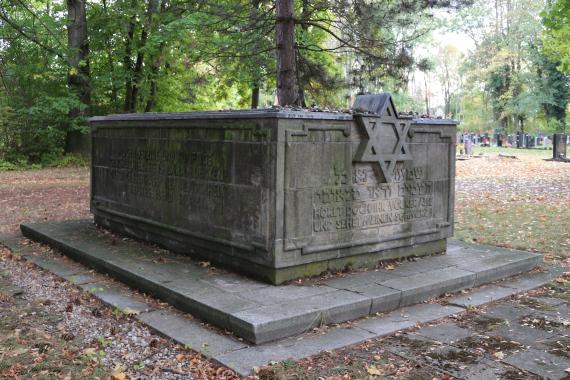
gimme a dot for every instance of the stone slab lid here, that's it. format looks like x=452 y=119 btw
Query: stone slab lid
x=373 y=105
x=269 y=113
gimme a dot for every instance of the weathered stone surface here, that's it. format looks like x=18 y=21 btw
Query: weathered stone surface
x=482 y=296
x=530 y=337
x=359 y=280
x=407 y=317
x=116 y=297
x=190 y=333
x=445 y=332
x=540 y=363
x=269 y=323
x=496 y=267
x=383 y=298
x=244 y=360
x=506 y=311
x=81 y=278
x=431 y=284
x=278 y=194
x=279 y=294
x=57 y=267
x=253 y=309
x=531 y=280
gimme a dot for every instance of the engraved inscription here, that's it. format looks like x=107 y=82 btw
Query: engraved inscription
x=364 y=206
x=173 y=162
x=186 y=183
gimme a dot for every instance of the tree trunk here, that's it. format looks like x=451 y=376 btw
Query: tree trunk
x=427 y=93
x=128 y=65
x=139 y=63
x=111 y=63
x=285 y=42
x=78 y=77
x=253 y=15
x=255 y=96
x=303 y=76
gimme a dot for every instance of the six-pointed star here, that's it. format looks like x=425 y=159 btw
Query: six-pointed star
x=375 y=148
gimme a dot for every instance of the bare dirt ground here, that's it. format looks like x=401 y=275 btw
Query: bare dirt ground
x=38 y=195
x=50 y=329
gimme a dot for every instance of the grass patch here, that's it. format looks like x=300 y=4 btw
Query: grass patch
x=519 y=225
x=547 y=153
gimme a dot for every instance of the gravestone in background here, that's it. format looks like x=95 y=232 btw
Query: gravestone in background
x=559 y=146
x=278 y=194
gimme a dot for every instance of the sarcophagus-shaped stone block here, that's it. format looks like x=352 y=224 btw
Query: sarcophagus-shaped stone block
x=278 y=194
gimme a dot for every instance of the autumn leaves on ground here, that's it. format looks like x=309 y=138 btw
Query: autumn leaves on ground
x=53 y=330
x=521 y=203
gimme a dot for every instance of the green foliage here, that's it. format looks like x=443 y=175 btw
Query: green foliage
x=557 y=34
x=48 y=160
x=158 y=55
x=509 y=76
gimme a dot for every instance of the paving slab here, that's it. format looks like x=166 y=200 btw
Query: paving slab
x=260 y=312
x=485 y=369
x=445 y=333
x=82 y=278
x=407 y=317
x=383 y=298
x=540 y=363
x=10 y=241
x=530 y=337
x=530 y=280
x=242 y=361
x=58 y=267
x=429 y=284
x=481 y=296
x=269 y=323
x=275 y=294
x=358 y=280
x=190 y=333
x=116 y=297
x=510 y=311
x=499 y=266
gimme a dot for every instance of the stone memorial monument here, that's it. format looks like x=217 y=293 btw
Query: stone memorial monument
x=278 y=194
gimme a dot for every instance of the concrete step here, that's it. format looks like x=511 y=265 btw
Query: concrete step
x=259 y=312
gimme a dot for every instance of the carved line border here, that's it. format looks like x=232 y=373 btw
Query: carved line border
x=289 y=245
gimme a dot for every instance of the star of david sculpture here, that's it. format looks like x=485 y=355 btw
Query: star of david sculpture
x=378 y=119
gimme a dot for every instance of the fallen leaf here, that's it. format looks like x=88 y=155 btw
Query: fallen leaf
x=372 y=370
x=130 y=312
x=499 y=355
x=118 y=376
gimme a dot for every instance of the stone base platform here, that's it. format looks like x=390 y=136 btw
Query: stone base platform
x=259 y=312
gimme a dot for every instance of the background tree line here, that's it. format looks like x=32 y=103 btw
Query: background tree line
x=516 y=78
x=64 y=60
